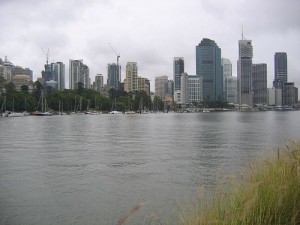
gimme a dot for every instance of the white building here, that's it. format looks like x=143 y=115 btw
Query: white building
x=58 y=74
x=191 y=89
x=78 y=72
x=274 y=96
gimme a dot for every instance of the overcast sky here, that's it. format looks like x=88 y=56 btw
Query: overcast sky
x=148 y=32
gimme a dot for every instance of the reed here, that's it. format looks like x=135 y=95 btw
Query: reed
x=268 y=193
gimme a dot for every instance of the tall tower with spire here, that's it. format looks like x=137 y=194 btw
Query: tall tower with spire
x=244 y=71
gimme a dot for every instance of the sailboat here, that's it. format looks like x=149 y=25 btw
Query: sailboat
x=43 y=111
x=113 y=110
x=13 y=113
x=130 y=111
x=60 y=108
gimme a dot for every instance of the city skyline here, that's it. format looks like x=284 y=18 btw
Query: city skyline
x=150 y=40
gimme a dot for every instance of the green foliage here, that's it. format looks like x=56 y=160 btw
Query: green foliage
x=10 y=88
x=158 y=104
x=218 y=104
x=25 y=89
x=79 y=87
x=141 y=101
x=37 y=90
x=70 y=100
x=268 y=193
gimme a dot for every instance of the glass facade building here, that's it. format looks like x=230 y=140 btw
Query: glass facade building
x=58 y=74
x=280 y=63
x=114 y=75
x=208 y=66
x=178 y=69
x=259 y=84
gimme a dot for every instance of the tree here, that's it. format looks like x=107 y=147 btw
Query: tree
x=2 y=84
x=112 y=93
x=158 y=104
x=37 y=90
x=79 y=87
x=25 y=89
x=10 y=88
x=141 y=101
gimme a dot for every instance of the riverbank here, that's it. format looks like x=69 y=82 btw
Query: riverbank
x=267 y=193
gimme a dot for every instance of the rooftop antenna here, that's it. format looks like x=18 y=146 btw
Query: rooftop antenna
x=242 y=32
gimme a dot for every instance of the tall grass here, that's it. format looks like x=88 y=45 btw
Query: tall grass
x=268 y=193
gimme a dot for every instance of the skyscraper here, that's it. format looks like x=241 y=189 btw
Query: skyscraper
x=184 y=91
x=280 y=63
x=227 y=72
x=78 y=72
x=131 y=82
x=195 y=89
x=98 y=82
x=244 y=72
x=58 y=74
x=227 y=67
x=178 y=69
x=161 y=83
x=114 y=75
x=231 y=89
x=259 y=84
x=208 y=65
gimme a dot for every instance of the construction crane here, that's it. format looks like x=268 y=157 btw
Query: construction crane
x=118 y=55
x=46 y=54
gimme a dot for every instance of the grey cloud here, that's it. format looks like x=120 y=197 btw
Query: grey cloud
x=149 y=32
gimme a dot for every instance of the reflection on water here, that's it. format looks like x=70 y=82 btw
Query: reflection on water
x=92 y=169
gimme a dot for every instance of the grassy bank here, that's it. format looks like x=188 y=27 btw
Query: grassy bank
x=268 y=193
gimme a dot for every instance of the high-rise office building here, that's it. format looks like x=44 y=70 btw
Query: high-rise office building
x=47 y=74
x=143 y=85
x=161 y=83
x=98 y=82
x=259 y=84
x=184 y=90
x=208 y=66
x=191 y=89
x=227 y=67
x=131 y=82
x=231 y=84
x=178 y=69
x=58 y=74
x=114 y=75
x=170 y=88
x=280 y=63
x=195 y=89
x=244 y=72
x=227 y=72
x=289 y=94
x=78 y=72
x=274 y=97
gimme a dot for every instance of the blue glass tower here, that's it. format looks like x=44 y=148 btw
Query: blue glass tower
x=178 y=69
x=208 y=66
x=114 y=75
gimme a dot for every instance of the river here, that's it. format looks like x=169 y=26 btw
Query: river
x=91 y=169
